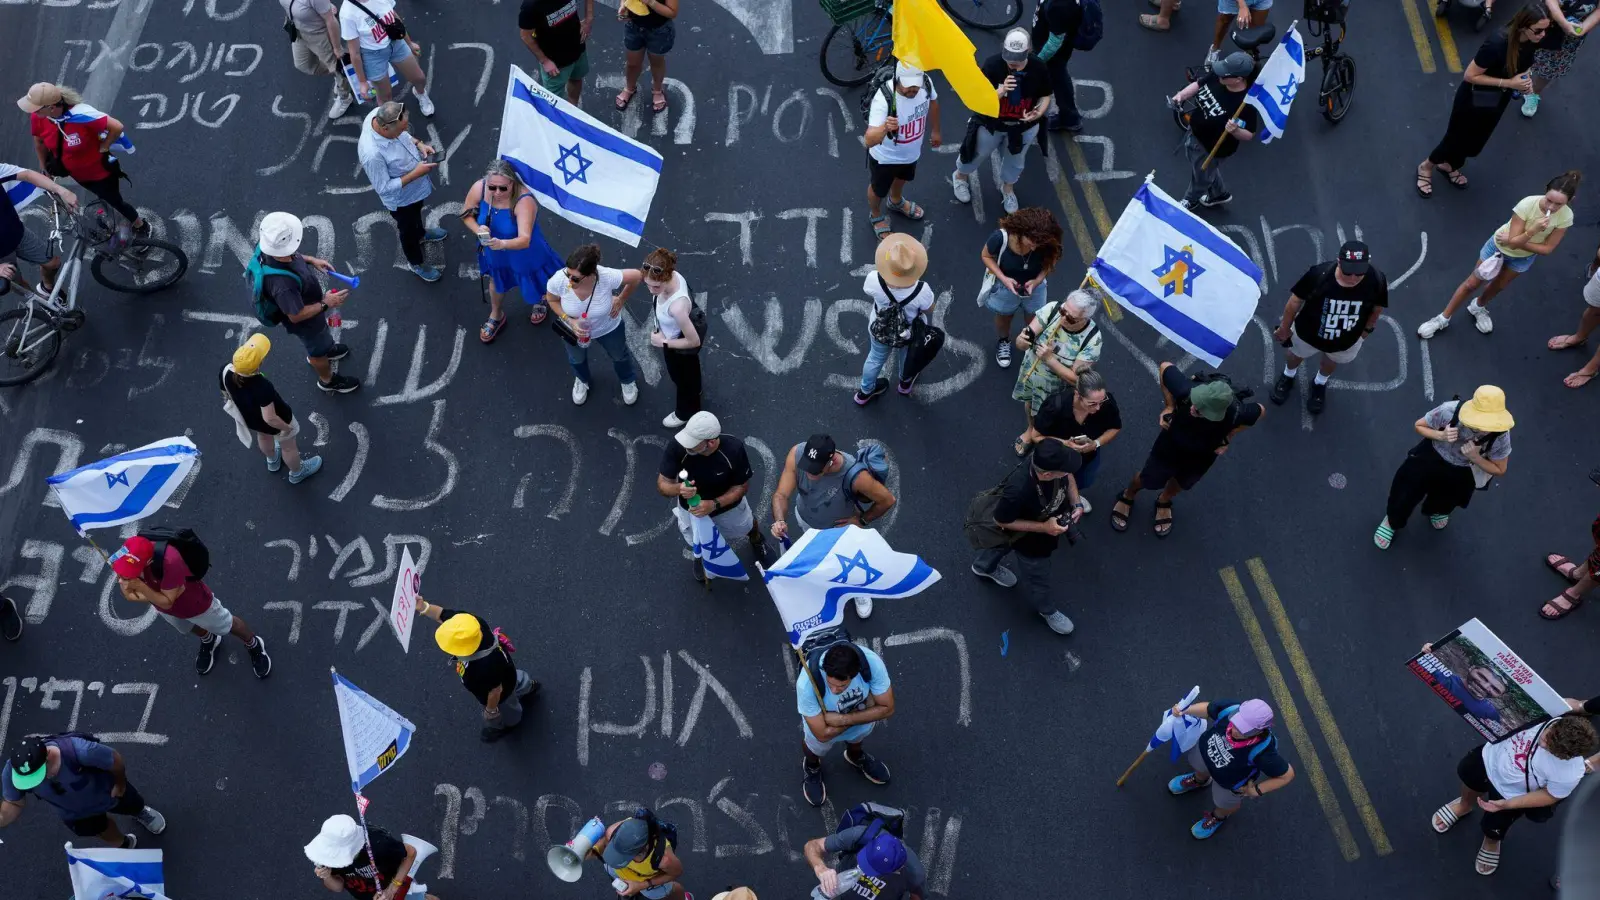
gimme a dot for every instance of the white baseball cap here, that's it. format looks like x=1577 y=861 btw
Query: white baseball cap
x=701 y=427
x=280 y=234
x=909 y=76
x=1017 y=45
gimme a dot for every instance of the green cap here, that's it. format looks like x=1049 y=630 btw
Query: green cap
x=28 y=764
x=1212 y=399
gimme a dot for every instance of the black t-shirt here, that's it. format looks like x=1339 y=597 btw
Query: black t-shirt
x=361 y=879
x=481 y=676
x=250 y=395
x=713 y=475
x=10 y=222
x=1022 y=267
x=1024 y=498
x=1215 y=106
x=1055 y=419
x=291 y=299
x=1033 y=83
x=1056 y=17
x=1334 y=316
x=1194 y=438
x=557 y=26
x=1229 y=763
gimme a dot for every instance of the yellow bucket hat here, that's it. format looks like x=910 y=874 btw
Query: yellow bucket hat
x=247 y=359
x=1486 y=411
x=459 y=636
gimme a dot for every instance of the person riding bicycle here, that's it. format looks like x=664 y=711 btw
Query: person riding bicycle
x=16 y=241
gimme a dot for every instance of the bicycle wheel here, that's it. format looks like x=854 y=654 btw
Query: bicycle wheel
x=992 y=15
x=1338 y=87
x=25 y=354
x=144 y=267
x=853 y=51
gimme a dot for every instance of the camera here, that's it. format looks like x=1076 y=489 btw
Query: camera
x=1073 y=533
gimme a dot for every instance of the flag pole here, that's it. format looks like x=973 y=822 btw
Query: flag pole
x=1049 y=333
x=799 y=657
x=1142 y=754
x=1224 y=136
x=361 y=813
x=81 y=533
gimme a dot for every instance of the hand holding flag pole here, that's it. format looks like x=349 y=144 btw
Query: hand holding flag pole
x=1284 y=72
x=1180 y=731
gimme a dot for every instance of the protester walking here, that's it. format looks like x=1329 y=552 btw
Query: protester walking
x=377 y=40
x=642 y=852
x=74 y=140
x=1572 y=21
x=842 y=693
x=317 y=47
x=1537 y=225
x=1219 y=122
x=398 y=166
x=1022 y=82
x=1017 y=260
x=10 y=619
x=484 y=665
x=259 y=410
x=503 y=216
x=1526 y=774
x=1059 y=344
x=719 y=473
x=829 y=488
x=16 y=241
x=877 y=863
x=287 y=292
x=1037 y=504
x=557 y=38
x=1161 y=20
x=87 y=784
x=679 y=330
x=1085 y=418
x=341 y=861
x=588 y=299
x=1583 y=577
x=647 y=25
x=1331 y=310
x=1464 y=445
x=1498 y=71
x=162 y=576
x=900 y=298
x=1237 y=757
x=1240 y=14
x=1199 y=420
x=894 y=142
x=1059 y=27
x=1586 y=326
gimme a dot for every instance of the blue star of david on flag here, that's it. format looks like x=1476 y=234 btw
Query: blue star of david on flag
x=848 y=564
x=125 y=487
x=115 y=478
x=1287 y=91
x=1277 y=85
x=708 y=545
x=1179 y=272
x=571 y=156
x=810 y=583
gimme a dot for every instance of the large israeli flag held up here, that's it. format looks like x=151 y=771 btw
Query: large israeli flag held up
x=705 y=540
x=125 y=487
x=1278 y=84
x=811 y=581
x=99 y=873
x=1180 y=275
x=578 y=167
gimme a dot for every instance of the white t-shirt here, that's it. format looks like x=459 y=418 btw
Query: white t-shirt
x=355 y=23
x=598 y=307
x=666 y=323
x=880 y=300
x=1507 y=762
x=905 y=146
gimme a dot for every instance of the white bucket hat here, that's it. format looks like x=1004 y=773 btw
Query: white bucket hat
x=337 y=844
x=280 y=235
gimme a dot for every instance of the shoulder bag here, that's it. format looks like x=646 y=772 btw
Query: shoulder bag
x=396 y=30
x=289 y=27
x=986 y=286
x=980 y=528
x=1537 y=813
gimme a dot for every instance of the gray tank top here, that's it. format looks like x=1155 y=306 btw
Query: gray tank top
x=823 y=501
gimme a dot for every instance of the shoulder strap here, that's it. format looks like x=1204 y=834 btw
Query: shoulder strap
x=1527 y=765
x=1005 y=241
x=370 y=13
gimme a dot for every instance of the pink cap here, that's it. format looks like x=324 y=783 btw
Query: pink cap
x=1252 y=715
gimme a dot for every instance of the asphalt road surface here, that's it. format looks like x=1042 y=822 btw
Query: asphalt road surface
x=543 y=518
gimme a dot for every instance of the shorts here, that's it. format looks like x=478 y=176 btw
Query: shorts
x=319 y=345
x=657 y=41
x=1002 y=302
x=33 y=249
x=1221 y=797
x=574 y=72
x=1158 y=470
x=882 y=175
x=820 y=748
x=1231 y=7
x=376 y=62
x=216 y=620
x=1517 y=264
x=659 y=892
x=1475 y=775
x=131 y=803
x=1305 y=351
x=734 y=522
x=1591 y=291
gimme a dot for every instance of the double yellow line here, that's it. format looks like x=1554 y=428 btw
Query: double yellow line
x=1076 y=223
x=1284 y=701
x=1416 y=12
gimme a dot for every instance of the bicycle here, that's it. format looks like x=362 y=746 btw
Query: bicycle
x=990 y=15
x=1248 y=40
x=31 y=334
x=862 y=37
x=1338 y=70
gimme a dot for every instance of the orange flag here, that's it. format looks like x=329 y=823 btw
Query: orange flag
x=926 y=37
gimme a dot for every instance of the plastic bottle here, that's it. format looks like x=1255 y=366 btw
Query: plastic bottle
x=847 y=883
x=583 y=334
x=334 y=319
x=683 y=478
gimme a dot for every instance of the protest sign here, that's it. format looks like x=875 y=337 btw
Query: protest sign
x=1485 y=683
x=403 y=608
x=375 y=736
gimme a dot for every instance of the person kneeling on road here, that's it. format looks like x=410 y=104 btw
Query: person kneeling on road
x=1331 y=310
x=1230 y=758
x=842 y=693
x=1034 y=500
x=884 y=867
x=719 y=475
x=483 y=663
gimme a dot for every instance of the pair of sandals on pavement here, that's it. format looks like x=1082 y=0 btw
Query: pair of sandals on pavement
x=1566 y=342
x=907 y=208
x=1124 y=507
x=1384 y=535
x=1445 y=818
x=492 y=327
x=1456 y=177
x=1567 y=602
x=658 y=99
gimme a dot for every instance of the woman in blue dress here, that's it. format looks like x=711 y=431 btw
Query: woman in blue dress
x=503 y=215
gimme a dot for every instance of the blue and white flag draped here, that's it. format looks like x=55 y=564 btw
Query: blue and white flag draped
x=375 y=736
x=84 y=113
x=709 y=546
x=21 y=193
x=125 y=487
x=1280 y=80
x=1179 y=274
x=1182 y=732
x=578 y=167
x=811 y=581
x=100 y=873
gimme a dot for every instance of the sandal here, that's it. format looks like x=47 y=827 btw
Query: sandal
x=625 y=96
x=1439 y=522
x=1456 y=177
x=1424 y=184
x=538 y=313
x=1487 y=862
x=491 y=329
x=1565 y=342
x=880 y=226
x=1021 y=447
x=908 y=209
x=1445 y=818
x=1578 y=379
x=1120 y=512
x=1573 y=602
x=1384 y=536
x=1153 y=23
x=658 y=101
x=1163 y=505
x=1564 y=567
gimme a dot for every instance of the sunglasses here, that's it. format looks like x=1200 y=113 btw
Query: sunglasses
x=657 y=271
x=1539 y=30
x=575 y=277
x=392 y=121
x=499 y=188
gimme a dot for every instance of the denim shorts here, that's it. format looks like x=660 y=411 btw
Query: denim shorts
x=1231 y=7
x=318 y=345
x=376 y=62
x=1517 y=264
x=656 y=40
x=1002 y=302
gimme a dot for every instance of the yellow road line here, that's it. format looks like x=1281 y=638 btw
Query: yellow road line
x=1087 y=245
x=1091 y=190
x=1419 y=36
x=1075 y=220
x=1291 y=715
x=1319 y=706
x=1447 y=44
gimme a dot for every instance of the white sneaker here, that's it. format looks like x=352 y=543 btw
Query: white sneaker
x=1432 y=327
x=962 y=187
x=1481 y=316
x=580 y=391
x=863 y=607
x=341 y=105
x=672 y=421
x=1083 y=504
x=424 y=103
x=1008 y=201
x=1058 y=622
x=630 y=393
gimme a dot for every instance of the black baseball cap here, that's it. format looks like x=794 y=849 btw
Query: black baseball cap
x=28 y=764
x=1054 y=456
x=816 y=453
x=1354 y=258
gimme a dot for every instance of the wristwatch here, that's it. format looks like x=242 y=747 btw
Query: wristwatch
x=716 y=506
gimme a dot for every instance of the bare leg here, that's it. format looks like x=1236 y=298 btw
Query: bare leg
x=291 y=453
x=47 y=272
x=1171 y=491
x=242 y=631
x=1506 y=276
x=658 y=72
x=380 y=84
x=1002 y=327
x=897 y=192
x=112 y=835
x=1290 y=361
x=575 y=91
x=264 y=444
x=1539 y=84
x=322 y=367
x=411 y=70
x=496 y=304
x=1581 y=377
x=1462 y=294
x=1327 y=365
x=631 y=70
x=874 y=202
x=1224 y=22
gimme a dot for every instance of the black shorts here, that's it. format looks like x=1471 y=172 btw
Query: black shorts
x=884 y=174
x=1187 y=470
x=129 y=804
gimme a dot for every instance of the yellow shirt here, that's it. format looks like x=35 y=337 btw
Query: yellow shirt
x=1528 y=210
x=637 y=870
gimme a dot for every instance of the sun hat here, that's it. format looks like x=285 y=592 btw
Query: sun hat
x=29 y=763
x=1486 y=411
x=1252 y=715
x=39 y=96
x=901 y=260
x=701 y=427
x=337 y=844
x=247 y=359
x=1212 y=399
x=459 y=635
x=628 y=841
x=280 y=234
x=130 y=560
x=884 y=856
x=742 y=893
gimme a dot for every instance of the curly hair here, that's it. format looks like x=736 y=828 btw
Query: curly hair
x=664 y=259
x=1038 y=225
x=1569 y=737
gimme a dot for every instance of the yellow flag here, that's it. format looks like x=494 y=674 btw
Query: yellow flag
x=925 y=37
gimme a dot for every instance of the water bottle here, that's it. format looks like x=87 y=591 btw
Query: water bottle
x=334 y=319
x=847 y=883
x=583 y=335
x=683 y=478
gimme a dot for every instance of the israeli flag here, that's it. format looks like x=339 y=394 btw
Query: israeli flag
x=21 y=193
x=355 y=83
x=1179 y=274
x=1181 y=732
x=101 y=873
x=84 y=113
x=375 y=736
x=578 y=167
x=709 y=546
x=811 y=581
x=1278 y=83
x=125 y=487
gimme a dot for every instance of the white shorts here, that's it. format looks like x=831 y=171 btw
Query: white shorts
x=1591 y=291
x=734 y=522
x=1306 y=351
x=820 y=748
x=216 y=620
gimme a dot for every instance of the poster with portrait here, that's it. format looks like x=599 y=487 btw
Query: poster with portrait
x=1486 y=683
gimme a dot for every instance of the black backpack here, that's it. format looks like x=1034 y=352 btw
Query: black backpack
x=662 y=834
x=882 y=83
x=1239 y=394
x=186 y=542
x=890 y=327
x=817 y=645
x=697 y=318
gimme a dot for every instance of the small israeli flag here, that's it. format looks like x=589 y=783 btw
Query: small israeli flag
x=355 y=83
x=813 y=578
x=125 y=487
x=99 y=873
x=705 y=540
x=577 y=166
x=1181 y=732
x=84 y=113
x=1278 y=84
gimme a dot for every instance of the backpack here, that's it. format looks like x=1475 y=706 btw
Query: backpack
x=1271 y=740
x=980 y=528
x=882 y=83
x=1480 y=478
x=877 y=818
x=1091 y=28
x=662 y=834
x=697 y=318
x=1239 y=394
x=69 y=755
x=267 y=312
x=870 y=459
x=890 y=327
x=819 y=642
x=189 y=547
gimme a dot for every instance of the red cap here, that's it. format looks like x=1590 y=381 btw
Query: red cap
x=130 y=561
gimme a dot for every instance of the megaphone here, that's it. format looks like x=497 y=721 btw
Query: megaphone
x=353 y=280
x=566 y=860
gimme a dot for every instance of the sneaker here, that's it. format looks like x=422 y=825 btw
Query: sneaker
x=1188 y=204
x=207 y=657
x=1206 y=827
x=672 y=421
x=341 y=384
x=1432 y=327
x=580 y=392
x=1058 y=622
x=1002 y=353
x=962 y=187
x=1318 y=398
x=1481 y=317
x=1530 y=105
x=812 y=788
x=532 y=691
x=699 y=571
x=1211 y=56
x=1085 y=505
x=904 y=388
x=1211 y=201
x=275 y=462
x=151 y=820
x=1008 y=201
x=1282 y=388
x=425 y=103
x=341 y=105
x=879 y=387
x=128 y=842
x=1186 y=784
x=259 y=660
x=309 y=466
x=863 y=607
x=870 y=767
x=1057 y=123
x=429 y=274
x=339 y=351
x=630 y=393
x=10 y=620
x=1001 y=575
x=434 y=235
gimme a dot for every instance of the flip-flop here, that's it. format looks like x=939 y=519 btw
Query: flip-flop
x=491 y=329
x=1384 y=536
x=1564 y=342
x=907 y=208
x=1572 y=606
x=1564 y=567
x=538 y=313
x=658 y=101
x=1445 y=816
x=1153 y=23
x=1577 y=379
x=625 y=96
x=1438 y=522
x=1166 y=505
x=1487 y=862
x=1020 y=447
